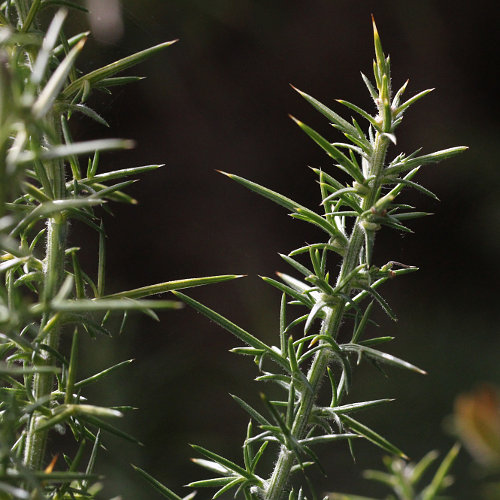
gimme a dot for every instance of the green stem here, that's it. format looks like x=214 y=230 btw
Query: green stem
x=57 y=226
x=331 y=325
x=53 y=276
x=43 y=382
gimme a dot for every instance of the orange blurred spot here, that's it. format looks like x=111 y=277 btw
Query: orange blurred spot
x=477 y=419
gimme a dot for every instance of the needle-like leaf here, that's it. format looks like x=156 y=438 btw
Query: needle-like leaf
x=159 y=487
x=371 y=435
x=110 y=70
x=169 y=286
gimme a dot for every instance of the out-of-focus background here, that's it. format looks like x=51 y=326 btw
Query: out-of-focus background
x=219 y=99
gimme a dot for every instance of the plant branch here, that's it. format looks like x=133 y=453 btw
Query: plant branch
x=53 y=277
x=330 y=327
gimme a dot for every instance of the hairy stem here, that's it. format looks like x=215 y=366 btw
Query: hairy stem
x=43 y=382
x=331 y=325
x=49 y=328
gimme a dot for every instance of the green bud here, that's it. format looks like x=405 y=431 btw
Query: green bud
x=361 y=189
x=370 y=226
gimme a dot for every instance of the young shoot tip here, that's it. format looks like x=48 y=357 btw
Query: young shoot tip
x=313 y=342
x=52 y=464
x=81 y=43
x=224 y=173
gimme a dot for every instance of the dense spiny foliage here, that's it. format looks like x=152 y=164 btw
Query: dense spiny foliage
x=46 y=182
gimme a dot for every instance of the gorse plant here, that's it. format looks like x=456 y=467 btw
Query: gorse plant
x=404 y=478
x=329 y=335
x=46 y=294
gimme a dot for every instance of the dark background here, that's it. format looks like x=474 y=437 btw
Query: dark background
x=219 y=99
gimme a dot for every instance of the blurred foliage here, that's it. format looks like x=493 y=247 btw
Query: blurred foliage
x=477 y=423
